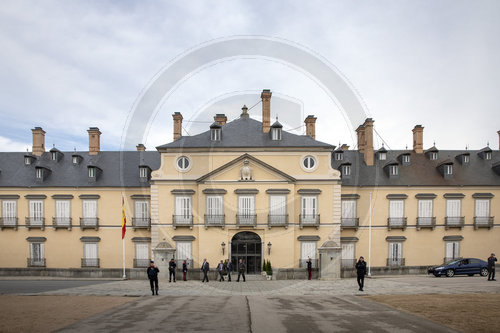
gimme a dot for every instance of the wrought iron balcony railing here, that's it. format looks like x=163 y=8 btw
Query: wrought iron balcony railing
x=426 y=222
x=182 y=221
x=277 y=220
x=141 y=223
x=89 y=223
x=215 y=220
x=245 y=220
x=349 y=223
x=35 y=222
x=8 y=222
x=395 y=262
x=483 y=222
x=90 y=262
x=454 y=222
x=36 y=262
x=61 y=222
x=309 y=221
x=396 y=223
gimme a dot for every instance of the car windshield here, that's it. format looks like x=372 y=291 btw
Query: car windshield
x=452 y=262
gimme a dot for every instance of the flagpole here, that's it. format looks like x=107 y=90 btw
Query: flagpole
x=370 y=239
x=123 y=251
x=124 y=226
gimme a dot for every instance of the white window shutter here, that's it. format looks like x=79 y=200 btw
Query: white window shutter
x=141 y=209
x=184 y=250
x=141 y=250
x=396 y=208
x=482 y=208
x=453 y=207
x=309 y=206
x=425 y=208
x=348 y=209
x=348 y=251
x=9 y=211
x=246 y=205
x=89 y=208
x=308 y=250
x=395 y=250
x=90 y=251
x=277 y=205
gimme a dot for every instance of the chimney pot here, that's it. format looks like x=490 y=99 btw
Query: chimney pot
x=141 y=147
x=310 y=122
x=221 y=119
x=344 y=147
x=418 y=139
x=94 y=140
x=38 y=147
x=177 y=116
x=266 y=110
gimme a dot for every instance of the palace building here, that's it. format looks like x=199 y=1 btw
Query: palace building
x=246 y=189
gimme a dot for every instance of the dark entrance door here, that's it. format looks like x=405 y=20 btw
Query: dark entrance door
x=247 y=246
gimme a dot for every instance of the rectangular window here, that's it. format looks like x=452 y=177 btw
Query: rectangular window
x=91 y=172
x=75 y=159
x=39 y=173
x=346 y=170
x=63 y=212
x=482 y=208
x=348 y=254
x=183 y=209
x=487 y=156
x=425 y=208
x=395 y=254
x=406 y=158
x=308 y=250
x=215 y=205
x=393 y=170
x=396 y=208
x=142 y=251
x=141 y=210
x=434 y=156
x=277 y=209
x=9 y=212
x=36 y=212
x=246 y=209
x=339 y=156
x=89 y=212
x=348 y=209
x=184 y=251
x=309 y=207
x=90 y=251
x=37 y=254
x=452 y=251
x=215 y=134
x=143 y=172
x=276 y=134
x=453 y=208
x=448 y=169
x=466 y=159
x=382 y=156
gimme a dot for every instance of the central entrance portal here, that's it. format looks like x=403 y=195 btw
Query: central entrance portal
x=247 y=245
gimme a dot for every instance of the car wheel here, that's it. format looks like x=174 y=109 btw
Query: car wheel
x=450 y=273
x=470 y=274
x=484 y=271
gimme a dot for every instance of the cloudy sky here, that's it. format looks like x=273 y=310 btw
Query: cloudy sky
x=70 y=65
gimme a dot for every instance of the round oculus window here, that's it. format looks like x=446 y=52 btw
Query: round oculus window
x=183 y=163
x=309 y=162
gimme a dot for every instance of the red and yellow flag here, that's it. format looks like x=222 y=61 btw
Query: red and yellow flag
x=124 y=219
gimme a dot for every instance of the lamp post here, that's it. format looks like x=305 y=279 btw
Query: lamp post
x=269 y=248
x=223 y=245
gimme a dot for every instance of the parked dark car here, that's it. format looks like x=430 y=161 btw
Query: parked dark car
x=463 y=266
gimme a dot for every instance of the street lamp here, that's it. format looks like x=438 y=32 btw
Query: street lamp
x=269 y=248
x=223 y=245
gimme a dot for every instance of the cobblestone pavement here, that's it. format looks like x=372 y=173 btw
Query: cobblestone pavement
x=373 y=286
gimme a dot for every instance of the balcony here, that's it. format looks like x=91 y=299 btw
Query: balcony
x=141 y=223
x=426 y=222
x=35 y=223
x=61 y=223
x=8 y=222
x=309 y=221
x=89 y=223
x=277 y=221
x=141 y=263
x=182 y=221
x=90 y=262
x=396 y=223
x=348 y=263
x=395 y=262
x=483 y=222
x=303 y=263
x=454 y=222
x=36 y=262
x=215 y=221
x=349 y=223
x=246 y=220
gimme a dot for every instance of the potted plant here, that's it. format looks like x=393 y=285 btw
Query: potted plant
x=269 y=270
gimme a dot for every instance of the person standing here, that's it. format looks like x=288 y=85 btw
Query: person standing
x=171 y=269
x=361 y=272
x=229 y=267
x=184 y=270
x=153 y=277
x=241 y=270
x=205 y=267
x=491 y=267
x=220 y=269
x=309 y=267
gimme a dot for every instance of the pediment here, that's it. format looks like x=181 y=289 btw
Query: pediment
x=246 y=168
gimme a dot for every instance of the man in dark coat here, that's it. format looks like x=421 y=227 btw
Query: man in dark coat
x=229 y=270
x=220 y=269
x=361 y=272
x=171 y=269
x=491 y=267
x=152 y=272
x=309 y=267
x=205 y=267
x=184 y=270
x=241 y=270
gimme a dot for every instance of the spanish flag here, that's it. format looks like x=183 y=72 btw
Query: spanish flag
x=124 y=219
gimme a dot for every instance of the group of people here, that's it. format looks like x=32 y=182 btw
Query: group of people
x=227 y=268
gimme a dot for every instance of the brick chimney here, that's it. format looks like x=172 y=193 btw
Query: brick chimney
x=141 y=147
x=177 y=125
x=38 y=147
x=221 y=119
x=368 y=141
x=418 y=139
x=94 y=140
x=266 y=110
x=310 y=122
x=361 y=138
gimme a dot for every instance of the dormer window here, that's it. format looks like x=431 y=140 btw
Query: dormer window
x=75 y=159
x=393 y=170
x=92 y=172
x=448 y=169
x=276 y=130
x=53 y=156
x=346 y=170
x=433 y=156
x=39 y=173
x=406 y=159
x=382 y=156
x=27 y=160
x=143 y=172
x=487 y=155
x=215 y=132
x=339 y=156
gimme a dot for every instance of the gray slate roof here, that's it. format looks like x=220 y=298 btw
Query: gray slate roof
x=245 y=132
x=421 y=171
x=14 y=173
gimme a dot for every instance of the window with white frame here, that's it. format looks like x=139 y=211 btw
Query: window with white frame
x=348 y=254
x=466 y=159
x=339 y=156
x=277 y=209
x=53 y=156
x=309 y=209
x=349 y=212
x=215 y=134
x=141 y=254
x=448 y=169
x=246 y=209
x=75 y=159
x=425 y=211
x=37 y=254
x=395 y=254
x=143 y=172
x=91 y=172
x=453 y=211
x=452 y=251
x=27 y=160
x=276 y=133
x=308 y=250
x=141 y=213
x=482 y=211
x=396 y=212
x=89 y=212
x=63 y=212
x=433 y=156
x=214 y=209
x=90 y=255
x=183 y=212
x=487 y=155
x=36 y=212
x=406 y=158
x=346 y=170
x=309 y=162
x=184 y=251
x=9 y=212
x=39 y=173
x=183 y=163
x=393 y=170
x=382 y=156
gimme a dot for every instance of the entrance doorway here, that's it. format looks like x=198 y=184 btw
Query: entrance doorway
x=247 y=245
